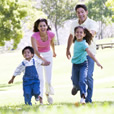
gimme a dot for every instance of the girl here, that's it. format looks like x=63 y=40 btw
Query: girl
x=41 y=40
x=82 y=37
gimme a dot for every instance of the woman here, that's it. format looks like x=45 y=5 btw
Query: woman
x=41 y=41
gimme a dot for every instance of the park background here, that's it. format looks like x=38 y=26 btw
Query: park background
x=16 y=22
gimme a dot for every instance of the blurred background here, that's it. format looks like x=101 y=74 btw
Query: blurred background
x=18 y=16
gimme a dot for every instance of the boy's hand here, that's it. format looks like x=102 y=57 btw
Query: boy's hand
x=46 y=63
x=11 y=81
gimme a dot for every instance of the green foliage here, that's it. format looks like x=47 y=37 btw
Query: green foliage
x=58 y=11
x=98 y=11
x=13 y=14
x=110 y=5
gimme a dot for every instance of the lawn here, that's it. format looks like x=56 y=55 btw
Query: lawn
x=11 y=96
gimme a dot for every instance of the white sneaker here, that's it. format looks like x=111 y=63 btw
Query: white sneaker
x=82 y=101
x=50 y=100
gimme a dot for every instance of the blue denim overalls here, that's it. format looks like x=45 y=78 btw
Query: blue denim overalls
x=31 y=83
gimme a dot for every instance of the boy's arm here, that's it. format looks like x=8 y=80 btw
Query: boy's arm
x=18 y=71
x=93 y=57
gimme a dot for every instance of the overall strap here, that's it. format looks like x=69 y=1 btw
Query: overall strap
x=33 y=62
x=23 y=63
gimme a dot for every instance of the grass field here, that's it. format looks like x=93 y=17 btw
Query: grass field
x=11 y=96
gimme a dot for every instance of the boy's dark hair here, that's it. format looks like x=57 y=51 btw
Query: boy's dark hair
x=37 y=22
x=81 y=6
x=88 y=36
x=28 y=47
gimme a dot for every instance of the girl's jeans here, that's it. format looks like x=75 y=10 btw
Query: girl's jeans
x=79 y=76
x=90 y=79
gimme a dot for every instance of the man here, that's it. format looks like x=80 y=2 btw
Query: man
x=85 y=21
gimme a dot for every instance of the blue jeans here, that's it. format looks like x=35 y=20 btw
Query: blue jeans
x=79 y=76
x=90 y=79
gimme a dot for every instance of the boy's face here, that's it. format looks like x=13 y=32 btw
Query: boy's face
x=27 y=54
x=81 y=14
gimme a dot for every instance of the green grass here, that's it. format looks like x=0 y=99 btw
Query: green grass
x=11 y=96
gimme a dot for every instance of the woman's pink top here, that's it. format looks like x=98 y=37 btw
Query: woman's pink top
x=43 y=46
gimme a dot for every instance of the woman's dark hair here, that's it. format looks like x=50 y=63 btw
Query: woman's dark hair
x=88 y=36
x=28 y=47
x=81 y=6
x=36 y=24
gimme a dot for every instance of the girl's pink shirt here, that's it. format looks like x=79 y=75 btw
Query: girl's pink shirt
x=43 y=46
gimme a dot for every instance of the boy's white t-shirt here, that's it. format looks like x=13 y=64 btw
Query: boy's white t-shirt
x=21 y=67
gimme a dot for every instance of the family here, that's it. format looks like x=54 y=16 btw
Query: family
x=39 y=57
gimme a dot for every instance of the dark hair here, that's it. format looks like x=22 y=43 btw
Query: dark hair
x=81 y=6
x=36 y=24
x=88 y=36
x=28 y=47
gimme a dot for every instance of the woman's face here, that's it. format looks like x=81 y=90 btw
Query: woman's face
x=42 y=27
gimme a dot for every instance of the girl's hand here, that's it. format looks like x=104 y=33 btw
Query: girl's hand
x=98 y=64
x=54 y=54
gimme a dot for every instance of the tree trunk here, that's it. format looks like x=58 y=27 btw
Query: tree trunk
x=56 y=30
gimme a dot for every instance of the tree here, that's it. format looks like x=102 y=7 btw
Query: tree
x=58 y=11
x=13 y=13
x=99 y=12
x=110 y=5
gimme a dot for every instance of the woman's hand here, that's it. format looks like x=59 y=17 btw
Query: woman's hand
x=54 y=54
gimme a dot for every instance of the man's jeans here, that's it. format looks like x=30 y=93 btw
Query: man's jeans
x=90 y=79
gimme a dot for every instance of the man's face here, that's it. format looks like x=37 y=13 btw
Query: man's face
x=81 y=14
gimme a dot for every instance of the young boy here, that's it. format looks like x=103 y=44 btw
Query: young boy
x=31 y=83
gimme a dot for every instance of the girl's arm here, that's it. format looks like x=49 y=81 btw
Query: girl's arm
x=93 y=57
x=34 y=45
x=53 y=47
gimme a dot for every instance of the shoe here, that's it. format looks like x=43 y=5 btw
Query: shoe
x=74 y=91
x=50 y=100
x=82 y=101
x=37 y=98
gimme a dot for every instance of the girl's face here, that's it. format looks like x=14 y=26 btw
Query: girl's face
x=79 y=33
x=42 y=27
x=27 y=54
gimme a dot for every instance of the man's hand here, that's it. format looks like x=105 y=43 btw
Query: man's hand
x=68 y=54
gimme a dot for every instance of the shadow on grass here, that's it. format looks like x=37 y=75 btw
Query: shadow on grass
x=22 y=106
x=3 y=87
